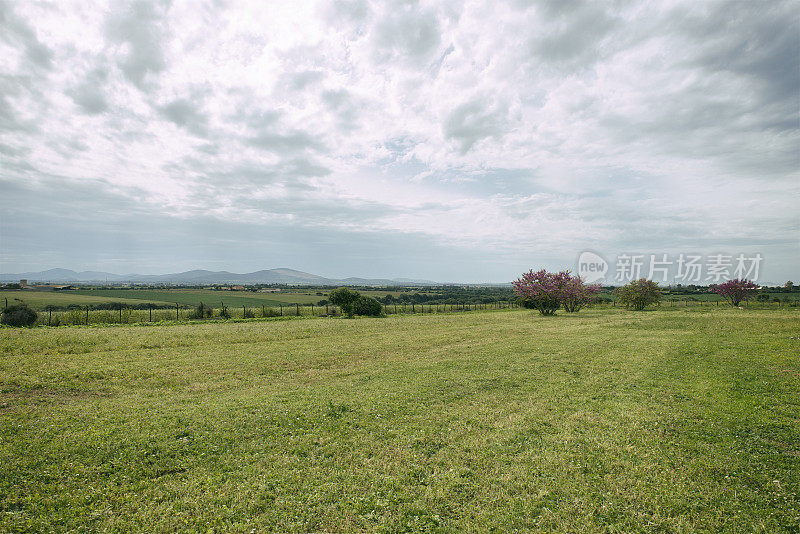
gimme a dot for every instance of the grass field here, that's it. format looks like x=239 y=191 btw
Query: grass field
x=187 y=297
x=676 y=420
x=38 y=300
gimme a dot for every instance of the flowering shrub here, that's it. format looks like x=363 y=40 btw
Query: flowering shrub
x=639 y=294
x=575 y=294
x=735 y=291
x=547 y=292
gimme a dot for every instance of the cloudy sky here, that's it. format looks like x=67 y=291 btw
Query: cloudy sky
x=458 y=141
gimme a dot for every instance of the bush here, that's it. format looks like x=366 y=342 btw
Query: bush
x=367 y=306
x=202 y=312
x=344 y=298
x=540 y=291
x=575 y=294
x=248 y=314
x=224 y=313
x=547 y=292
x=19 y=315
x=736 y=291
x=639 y=294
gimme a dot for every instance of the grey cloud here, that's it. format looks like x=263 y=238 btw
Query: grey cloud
x=139 y=28
x=469 y=123
x=186 y=115
x=269 y=134
x=261 y=119
x=301 y=80
x=291 y=141
x=10 y=87
x=756 y=40
x=741 y=66
x=89 y=94
x=348 y=10
x=575 y=32
x=17 y=32
x=343 y=105
x=407 y=34
x=288 y=172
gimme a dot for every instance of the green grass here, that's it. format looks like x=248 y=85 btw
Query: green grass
x=676 y=420
x=40 y=299
x=192 y=297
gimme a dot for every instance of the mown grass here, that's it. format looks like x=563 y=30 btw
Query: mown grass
x=677 y=420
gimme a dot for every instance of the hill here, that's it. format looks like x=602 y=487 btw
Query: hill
x=202 y=276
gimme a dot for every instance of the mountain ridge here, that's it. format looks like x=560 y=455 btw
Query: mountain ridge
x=281 y=275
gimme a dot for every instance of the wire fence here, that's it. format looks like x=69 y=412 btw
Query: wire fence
x=124 y=315
x=183 y=313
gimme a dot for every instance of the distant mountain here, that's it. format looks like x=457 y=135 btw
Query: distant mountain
x=201 y=276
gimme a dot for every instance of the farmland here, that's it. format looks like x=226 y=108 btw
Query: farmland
x=677 y=419
x=183 y=296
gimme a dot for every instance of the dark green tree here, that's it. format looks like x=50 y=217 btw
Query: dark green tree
x=344 y=298
x=367 y=306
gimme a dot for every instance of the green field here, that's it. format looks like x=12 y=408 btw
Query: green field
x=40 y=299
x=184 y=297
x=674 y=420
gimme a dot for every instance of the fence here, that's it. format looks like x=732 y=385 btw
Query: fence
x=154 y=315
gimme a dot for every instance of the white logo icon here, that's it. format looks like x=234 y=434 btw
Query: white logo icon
x=591 y=267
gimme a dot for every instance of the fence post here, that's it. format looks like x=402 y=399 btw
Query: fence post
x=281 y=305
x=326 y=309
x=50 y=316
x=312 y=310
x=263 y=314
x=120 y=313
x=151 y=313
x=87 y=315
x=298 y=309
x=177 y=316
x=395 y=308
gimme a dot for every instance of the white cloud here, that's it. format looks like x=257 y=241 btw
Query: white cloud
x=524 y=128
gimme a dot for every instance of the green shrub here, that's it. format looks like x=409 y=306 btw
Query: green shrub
x=224 y=313
x=19 y=315
x=202 y=312
x=367 y=306
x=344 y=298
x=639 y=294
x=248 y=314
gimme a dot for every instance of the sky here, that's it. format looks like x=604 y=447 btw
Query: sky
x=451 y=141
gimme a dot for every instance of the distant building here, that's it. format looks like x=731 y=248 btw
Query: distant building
x=23 y=283
x=237 y=288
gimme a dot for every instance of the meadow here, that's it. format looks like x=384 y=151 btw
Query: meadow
x=187 y=297
x=671 y=420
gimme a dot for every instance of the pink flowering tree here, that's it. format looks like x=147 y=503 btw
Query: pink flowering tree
x=540 y=290
x=575 y=294
x=547 y=292
x=736 y=291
